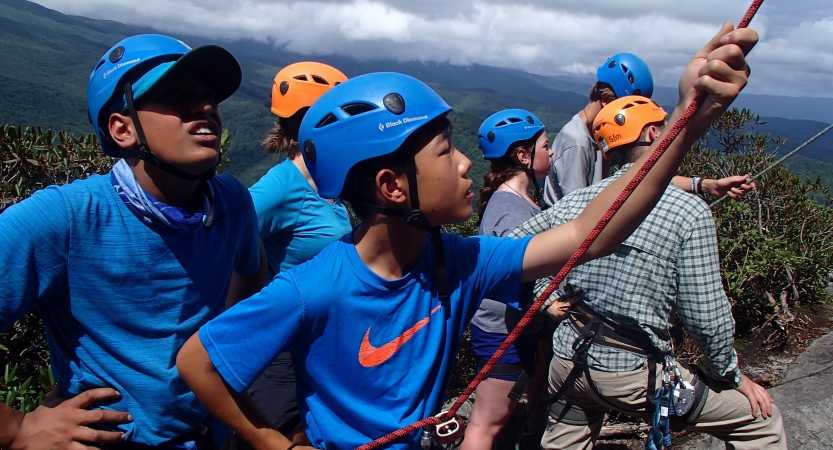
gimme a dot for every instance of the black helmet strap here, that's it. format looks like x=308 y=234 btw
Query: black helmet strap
x=416 y=218
x=145 y=154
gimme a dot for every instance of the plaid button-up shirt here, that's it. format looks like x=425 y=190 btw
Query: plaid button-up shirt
x=668 y=267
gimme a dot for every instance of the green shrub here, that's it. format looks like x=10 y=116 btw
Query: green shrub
x=776 y=243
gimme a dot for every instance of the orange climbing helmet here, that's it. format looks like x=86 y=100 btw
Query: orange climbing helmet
x=299 y=85
x=622 y=120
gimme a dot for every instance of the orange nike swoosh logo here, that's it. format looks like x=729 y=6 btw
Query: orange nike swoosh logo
x=370 y=356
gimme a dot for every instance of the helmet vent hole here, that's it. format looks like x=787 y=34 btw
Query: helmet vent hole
x=619 y=119
x=514 y=120
x=327 y=120
x=100 y=63
x=336 y=83
x=354 y=109
x=530 y=119
x=284 y=87
x=301 y=77
x=611 y=64
x=501 y=124
x=624 y=68
x=637 y=91
x=490 y=136
x=630 y=78
x=319 y=80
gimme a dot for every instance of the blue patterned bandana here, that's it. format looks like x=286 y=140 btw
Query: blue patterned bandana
x=150 y=210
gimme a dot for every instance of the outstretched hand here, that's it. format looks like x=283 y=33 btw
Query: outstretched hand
x=734 y=186
x=62 y=424
x=759 y=398
x=719 y=70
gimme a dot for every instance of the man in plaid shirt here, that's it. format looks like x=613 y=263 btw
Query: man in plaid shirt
x=668 y=267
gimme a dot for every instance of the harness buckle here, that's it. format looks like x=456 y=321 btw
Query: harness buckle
x=582 y=344
x=449 y=431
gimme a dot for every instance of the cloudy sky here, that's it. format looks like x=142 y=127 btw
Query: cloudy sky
x=794 y=57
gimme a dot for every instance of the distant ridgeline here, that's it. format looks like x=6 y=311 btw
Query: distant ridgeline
x=47 y=57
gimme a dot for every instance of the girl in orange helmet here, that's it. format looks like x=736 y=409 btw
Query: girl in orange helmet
x=294 y=222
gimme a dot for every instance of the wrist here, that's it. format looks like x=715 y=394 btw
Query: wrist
x=11 y=421
x=708 y=186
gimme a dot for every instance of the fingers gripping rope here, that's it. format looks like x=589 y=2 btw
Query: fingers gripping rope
x=617 y=204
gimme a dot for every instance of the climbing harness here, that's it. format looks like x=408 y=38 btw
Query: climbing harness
x=594 y=329
x=783 y=158
x=672 y=134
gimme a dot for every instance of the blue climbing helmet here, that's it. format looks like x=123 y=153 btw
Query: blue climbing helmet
x=132 y=67
x=627 y=74
x=504 y=128
x=362 y=118
x=365 y=117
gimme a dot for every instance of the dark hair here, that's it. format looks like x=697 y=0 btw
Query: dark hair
x=283 y=139
x=360 y=183
x=599 y=89
x=502 y=169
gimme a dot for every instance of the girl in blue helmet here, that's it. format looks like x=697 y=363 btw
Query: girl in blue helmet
x=578 y=162
x=516 y=144
x=373 y=322
x=124 y=266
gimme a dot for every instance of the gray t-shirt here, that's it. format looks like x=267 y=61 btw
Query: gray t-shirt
x=505 y=211
x=577 y=162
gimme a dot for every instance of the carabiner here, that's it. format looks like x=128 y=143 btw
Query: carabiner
x=449 y=431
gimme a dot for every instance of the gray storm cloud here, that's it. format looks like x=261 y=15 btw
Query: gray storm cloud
x=794 y=56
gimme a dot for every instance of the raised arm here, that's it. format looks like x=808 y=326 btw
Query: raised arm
x=720 y=71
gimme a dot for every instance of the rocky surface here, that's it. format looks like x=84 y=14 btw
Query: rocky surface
x=805 y=398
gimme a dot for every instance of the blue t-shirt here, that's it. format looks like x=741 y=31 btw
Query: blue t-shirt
x=294 y=222
x=118 y=297
x=371 y=355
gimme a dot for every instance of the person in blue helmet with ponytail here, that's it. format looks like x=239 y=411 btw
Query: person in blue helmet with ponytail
x=373 y=322
x=577 y=160
x=515 y=143
x=123 y=267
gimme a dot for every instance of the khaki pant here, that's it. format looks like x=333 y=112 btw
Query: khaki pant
x=726 y=415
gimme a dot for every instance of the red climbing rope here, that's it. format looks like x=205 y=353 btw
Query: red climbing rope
x=643 y=171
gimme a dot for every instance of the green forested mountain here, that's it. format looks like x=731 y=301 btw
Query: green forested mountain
x=46 y=58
